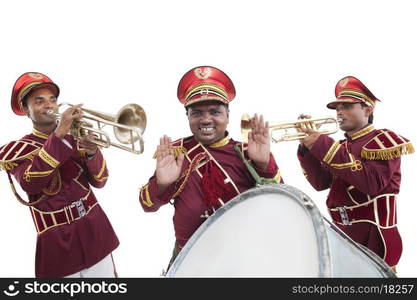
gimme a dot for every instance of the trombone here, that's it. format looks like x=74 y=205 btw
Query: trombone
x=312 y=123
x=128 y=127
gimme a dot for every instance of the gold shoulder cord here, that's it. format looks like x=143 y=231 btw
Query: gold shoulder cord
x=20 y=199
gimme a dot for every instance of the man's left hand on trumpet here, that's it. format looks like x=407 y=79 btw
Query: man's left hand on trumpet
x=312 y=132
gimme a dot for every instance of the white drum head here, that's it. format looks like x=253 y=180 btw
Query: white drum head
x=270 y=231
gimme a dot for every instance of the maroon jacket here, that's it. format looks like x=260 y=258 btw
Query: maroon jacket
x=363 y=174
x=191 y=203
x=56 y=175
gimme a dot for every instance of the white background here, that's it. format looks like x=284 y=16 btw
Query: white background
x=284 y=57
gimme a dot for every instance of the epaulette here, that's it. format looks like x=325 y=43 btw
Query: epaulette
x=178 y=147
x=386 y=145
x=17 y=150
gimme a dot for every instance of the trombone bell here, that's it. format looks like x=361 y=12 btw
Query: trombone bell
x=131 y=115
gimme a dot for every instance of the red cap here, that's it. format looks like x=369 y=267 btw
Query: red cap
x=351 y=90
x=25 y=84
x=205 y=83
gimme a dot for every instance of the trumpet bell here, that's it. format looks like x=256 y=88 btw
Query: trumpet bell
x=133 y=116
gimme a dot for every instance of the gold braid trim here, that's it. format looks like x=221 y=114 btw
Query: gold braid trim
x=40 y=134
x=362 y=132
x=208 y=87
x=47 y=158
x=194 y=163
x=328 y=157
x=54 y=185
x=8 y=166
x=387 y=154
x=28 y=175
x=20 y=199
x=177 y=151
x=224 y=141
x=100 y=174
x=146 y=199
x=348 y=92
x=30 y=156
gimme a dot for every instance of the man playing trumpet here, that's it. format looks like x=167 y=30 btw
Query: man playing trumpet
x=362 y=171
x=203 y=171
x=75 y=237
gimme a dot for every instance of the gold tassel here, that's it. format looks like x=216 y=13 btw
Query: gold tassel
x=177 y=151
x=410 y=148
x=387 y=154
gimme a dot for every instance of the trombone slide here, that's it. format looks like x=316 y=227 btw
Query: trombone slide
x=128 y=126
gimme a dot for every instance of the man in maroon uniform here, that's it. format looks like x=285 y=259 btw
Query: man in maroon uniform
x=203 y=171
x=362 y=171
x=75 y=238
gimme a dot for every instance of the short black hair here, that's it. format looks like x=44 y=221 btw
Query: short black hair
x=371 y=116
x=25 y=101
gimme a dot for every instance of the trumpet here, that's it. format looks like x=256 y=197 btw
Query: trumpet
x=312 y=123
x=128 y=127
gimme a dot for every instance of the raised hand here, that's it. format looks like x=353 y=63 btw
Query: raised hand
x=259 y=142
x=168 y=168
x=68 y=116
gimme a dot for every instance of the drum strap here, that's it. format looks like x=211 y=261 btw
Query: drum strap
x=259 y=180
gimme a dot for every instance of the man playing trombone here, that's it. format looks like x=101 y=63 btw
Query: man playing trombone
x=362 y=171
x=203 y=171
x=75 y=237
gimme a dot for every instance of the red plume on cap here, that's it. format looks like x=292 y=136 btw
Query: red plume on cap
x=205 y=83
x=351 y=90
x=25 y=84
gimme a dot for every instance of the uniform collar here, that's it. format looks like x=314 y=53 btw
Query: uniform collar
x=39 y=134
x=364 y=131
x=222 y=142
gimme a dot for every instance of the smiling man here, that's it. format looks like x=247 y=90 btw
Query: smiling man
x=74 y=236
x=203 y=171
x=362 y=171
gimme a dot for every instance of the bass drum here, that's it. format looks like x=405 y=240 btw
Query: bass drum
x=273 y=231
